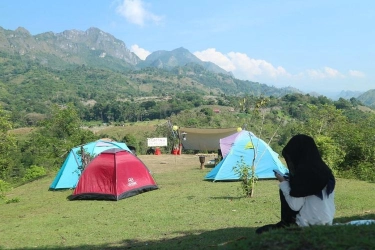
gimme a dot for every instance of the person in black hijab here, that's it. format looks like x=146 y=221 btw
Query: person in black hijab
x=307 y=194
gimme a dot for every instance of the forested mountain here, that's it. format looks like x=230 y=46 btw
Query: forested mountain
x=368 y=98
x=94 y=70
x=179 y=57
x=92 y=47
x=94 y=67
x=64 y=65
x=348 y=94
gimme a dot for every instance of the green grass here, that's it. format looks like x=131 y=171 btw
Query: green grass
x=185 y=213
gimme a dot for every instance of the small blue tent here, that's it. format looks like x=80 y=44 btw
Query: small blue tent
x=245 y=144
x=69 y=173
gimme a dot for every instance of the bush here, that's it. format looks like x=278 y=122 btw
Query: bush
x=247 y=177
x=365 y=171
x=4 y=187
x=33 y=173
x=13 y=200
x=330 y=151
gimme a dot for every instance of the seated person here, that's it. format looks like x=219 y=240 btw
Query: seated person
x=307 y=195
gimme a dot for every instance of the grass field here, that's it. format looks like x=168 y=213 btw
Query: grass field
x=184 y=213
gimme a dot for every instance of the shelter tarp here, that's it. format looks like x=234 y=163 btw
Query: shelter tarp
x=205 y=139
x=69 y=173
x=245 y=144
x=113 y=175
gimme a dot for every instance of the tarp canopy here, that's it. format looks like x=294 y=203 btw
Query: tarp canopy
x=246 y=145
x=205 y=139
x=69 y=173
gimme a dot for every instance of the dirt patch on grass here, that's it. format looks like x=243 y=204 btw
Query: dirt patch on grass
x=169 y=163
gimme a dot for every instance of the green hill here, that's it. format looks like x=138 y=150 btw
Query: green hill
x=368 y=98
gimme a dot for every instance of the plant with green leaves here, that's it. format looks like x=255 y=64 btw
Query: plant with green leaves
x=4 y=187
x=34 y=172
x=7 y=146
x=331 y=152
x=13 y=200
x=247 y=176
x=86 y=158
x=60 y=132
x=246 y=172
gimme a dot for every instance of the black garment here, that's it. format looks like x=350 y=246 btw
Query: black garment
x=288 y=217
x=309 y=174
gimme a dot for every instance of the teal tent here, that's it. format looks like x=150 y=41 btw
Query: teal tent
x=69 y=173
x=245 y=144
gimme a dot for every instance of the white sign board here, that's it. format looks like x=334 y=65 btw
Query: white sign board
x=156 y=142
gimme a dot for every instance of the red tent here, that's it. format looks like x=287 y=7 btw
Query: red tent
x=113 y=175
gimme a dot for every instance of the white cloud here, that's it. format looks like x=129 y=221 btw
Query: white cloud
x=135 y=12
x=332 y=72
x=356 y=73
x=141 y=53
x=241 y=65
x=246 y=68
x=211 y=55
x=253 y=67
x=327 y=72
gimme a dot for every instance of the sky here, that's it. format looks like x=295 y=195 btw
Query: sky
x=324 y=46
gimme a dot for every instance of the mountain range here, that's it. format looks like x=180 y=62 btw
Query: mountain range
x=97 y=49
x=92 y=47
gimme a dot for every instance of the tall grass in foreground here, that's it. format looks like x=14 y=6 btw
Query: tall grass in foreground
x=185 y=213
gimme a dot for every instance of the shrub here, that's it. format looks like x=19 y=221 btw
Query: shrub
x=4 y=187
x=330 y=151
x=365 y=171
x=13 y=200
x=33 y=173
x=247 y=177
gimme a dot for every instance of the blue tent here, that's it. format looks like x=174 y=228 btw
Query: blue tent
x=245 y=144
x=69 y=173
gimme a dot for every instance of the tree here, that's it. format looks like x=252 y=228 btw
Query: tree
x=323 y=120
x=7 y=146
x=359 y=146
x=331 y=152
x=63 y=122
x=343 y=104
x=60 y=132
x=247 y=170
x=207 y=111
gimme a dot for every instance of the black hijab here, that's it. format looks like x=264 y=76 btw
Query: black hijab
x=308 y=173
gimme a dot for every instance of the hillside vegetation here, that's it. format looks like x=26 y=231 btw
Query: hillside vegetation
x=62 y=93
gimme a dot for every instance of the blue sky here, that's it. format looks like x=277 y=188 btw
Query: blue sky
x=313 y=45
